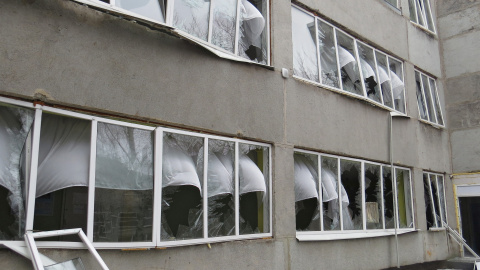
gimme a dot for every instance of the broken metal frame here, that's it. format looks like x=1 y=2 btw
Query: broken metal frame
x=35 y=255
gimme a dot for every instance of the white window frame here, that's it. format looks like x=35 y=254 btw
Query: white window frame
x=364 y=233
x=157 y=190
x=207 y=44
x=397 y=5
x=436 y=198
x=434 y=100
x=357 y=59
x=425 y=15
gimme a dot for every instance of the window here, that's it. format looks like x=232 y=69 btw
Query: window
x=330 y=57
x=343 y=196
x=238 y=27
x=435 y=204
x=126 y=184
x=428 y=100
x=393 y=3
x=421 y=14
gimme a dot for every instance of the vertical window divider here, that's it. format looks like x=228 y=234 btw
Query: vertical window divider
x=320 y=193
x=91 y=179
x=269 y=37
x=270 y=197
x=362 y=186
x=390 y=81
x=237 y=190
x=378 y=76
x=339 y=190
x=432 y=200
x=439 y=202
x=32 y=187
x=157 y=188
x=411 y=197
x=359 y=66
x=113 y=2
x=205 y=189
x=383 y=197
x=210 y=21
x=340 y=83
x=169 y=13
x=404 y=90
x=395 y=194
x=438 y=99
x=430 y=93
x=424 y=98
x=237 y=28
x=317 y=42
x=416 y=11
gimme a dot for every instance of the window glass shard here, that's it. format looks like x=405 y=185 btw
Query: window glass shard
x=330 y=197
x=373 y=197
x=441 y=195
x=224 y=24
x=328 y=55
x=384 y=79
x=152 y=9
x=431 y=222
x=307 y=211
x=305 y=63
x=123 y=210
x=348 y=64
x=368 y=67
x=253 y=37
x=351 y=180
x=192 y=16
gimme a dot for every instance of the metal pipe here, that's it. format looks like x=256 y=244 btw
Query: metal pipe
x=392 y=171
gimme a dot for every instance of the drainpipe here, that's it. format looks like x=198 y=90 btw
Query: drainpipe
x=395 y=214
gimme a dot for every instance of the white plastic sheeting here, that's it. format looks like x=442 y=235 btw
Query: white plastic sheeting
x=397 y=86
x=348 y=62
x=253 y=22
x=305 y=179
x=330 y=195
x=251 y=178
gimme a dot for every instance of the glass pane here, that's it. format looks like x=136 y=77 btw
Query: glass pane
x=420 y=12
x=411 y=7
x=330 y=202
x=15 y=126
x=404 y=199
x=388 y=198
x=428 y=98
x=367 y=63
x=384 y=79
x=304 y=46
x=428 y=15
x=328 y=55
x=348 y=64
x=436 y=204
x=351 y=181
x=398 y=87
x=182 y=185
x=428 y=202
x=192 y=16
x=220 y=187
x=392 y=2
x=123 y=210
x=307 y=211
x=224 y=23
x=63 y=173
x=441 y=194
x=152 y=9
x=254 y=191
x=420 y=99
x=436 y=101
x=373 y=197
x=253 y=35
x=74 y=264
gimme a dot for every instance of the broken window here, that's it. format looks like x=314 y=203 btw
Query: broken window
x=356 y=195
x=421 y=14
x=320 y=56
x=428 y=100
x=434 y=194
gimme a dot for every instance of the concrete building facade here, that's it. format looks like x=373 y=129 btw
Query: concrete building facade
x=108 y=64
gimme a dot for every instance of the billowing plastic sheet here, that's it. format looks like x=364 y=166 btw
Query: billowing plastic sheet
x=253 y=43
x=15 y=125
x=64 y=154
x=305 y=179
x=307 y=210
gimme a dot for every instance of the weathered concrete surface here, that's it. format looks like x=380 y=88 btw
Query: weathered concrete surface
x=463 y=89
x=423 y=51
x=460 y=54
x=465 y=150
x=461 y=22
x=446 y=7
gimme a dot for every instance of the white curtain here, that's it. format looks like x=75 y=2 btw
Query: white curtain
x=347 y=61
x=251 y=178
x=305 y=179
x=397 y=86
x=253 y=22
x=220 y=174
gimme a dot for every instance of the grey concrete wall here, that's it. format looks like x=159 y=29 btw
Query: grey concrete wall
x=459 y=24
x=87 y=59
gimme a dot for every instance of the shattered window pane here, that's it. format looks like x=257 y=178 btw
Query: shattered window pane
x=220 y=187
x=253 y=36
x=74 y=264
x=388 y=198
x=441 y=195
x=253 y=181
x=152 y=9
x=348 y=64
x=373 y=197
x=182 y=187
x=62 y=178
x=436 y=204
x=428 y=98
x=431 y=222
x=328 y=55
x=404 y=199
x=305 y=60
x=398 y=86
x=307 y=210
x=384 y=79
x=330 y=197
x=436 y=101
x=123 y=210
x=420 y=100
x=351 y=180
x=15 y=126
x=367 y=63
x=411 y=8
x=224 y=23
x=192 y=16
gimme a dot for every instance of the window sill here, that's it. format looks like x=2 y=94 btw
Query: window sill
x=436 y=229
x=437 y=126
x=423 y=28
x=345 y=93
x=329 y=236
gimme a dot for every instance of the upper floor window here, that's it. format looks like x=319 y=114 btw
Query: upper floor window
x=421 y=14
x=326 y=55
x=237 y=27
x=435 y=204
x=393 y=3
x=343 y=196
x=428 y=100
x=125 y=184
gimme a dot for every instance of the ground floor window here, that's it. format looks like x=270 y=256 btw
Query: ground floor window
x=435 y=204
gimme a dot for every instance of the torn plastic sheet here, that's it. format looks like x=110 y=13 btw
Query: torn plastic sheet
x=15 y=125
x=305 y=179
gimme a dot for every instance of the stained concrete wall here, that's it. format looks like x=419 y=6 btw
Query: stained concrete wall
x=87 y=59
x=459 y=24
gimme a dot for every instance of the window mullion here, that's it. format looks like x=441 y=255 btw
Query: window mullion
x=340 y=83
x=169 y=12
x=390 y=82
x=91 y=180
x=424 y=98
x=432 y=199
x=431 y=15
x=320 y=193
x=383 y=198
x=32 y=183
x=362 y=186
x=378 y=77
x=439 y=203
x=395 y=194
x=237 y=28
x=237 y=191
x=432 y=100
x=157 y=192
x=205 y=189
x=210 y=21
x=339 y=190
x=318 y=51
